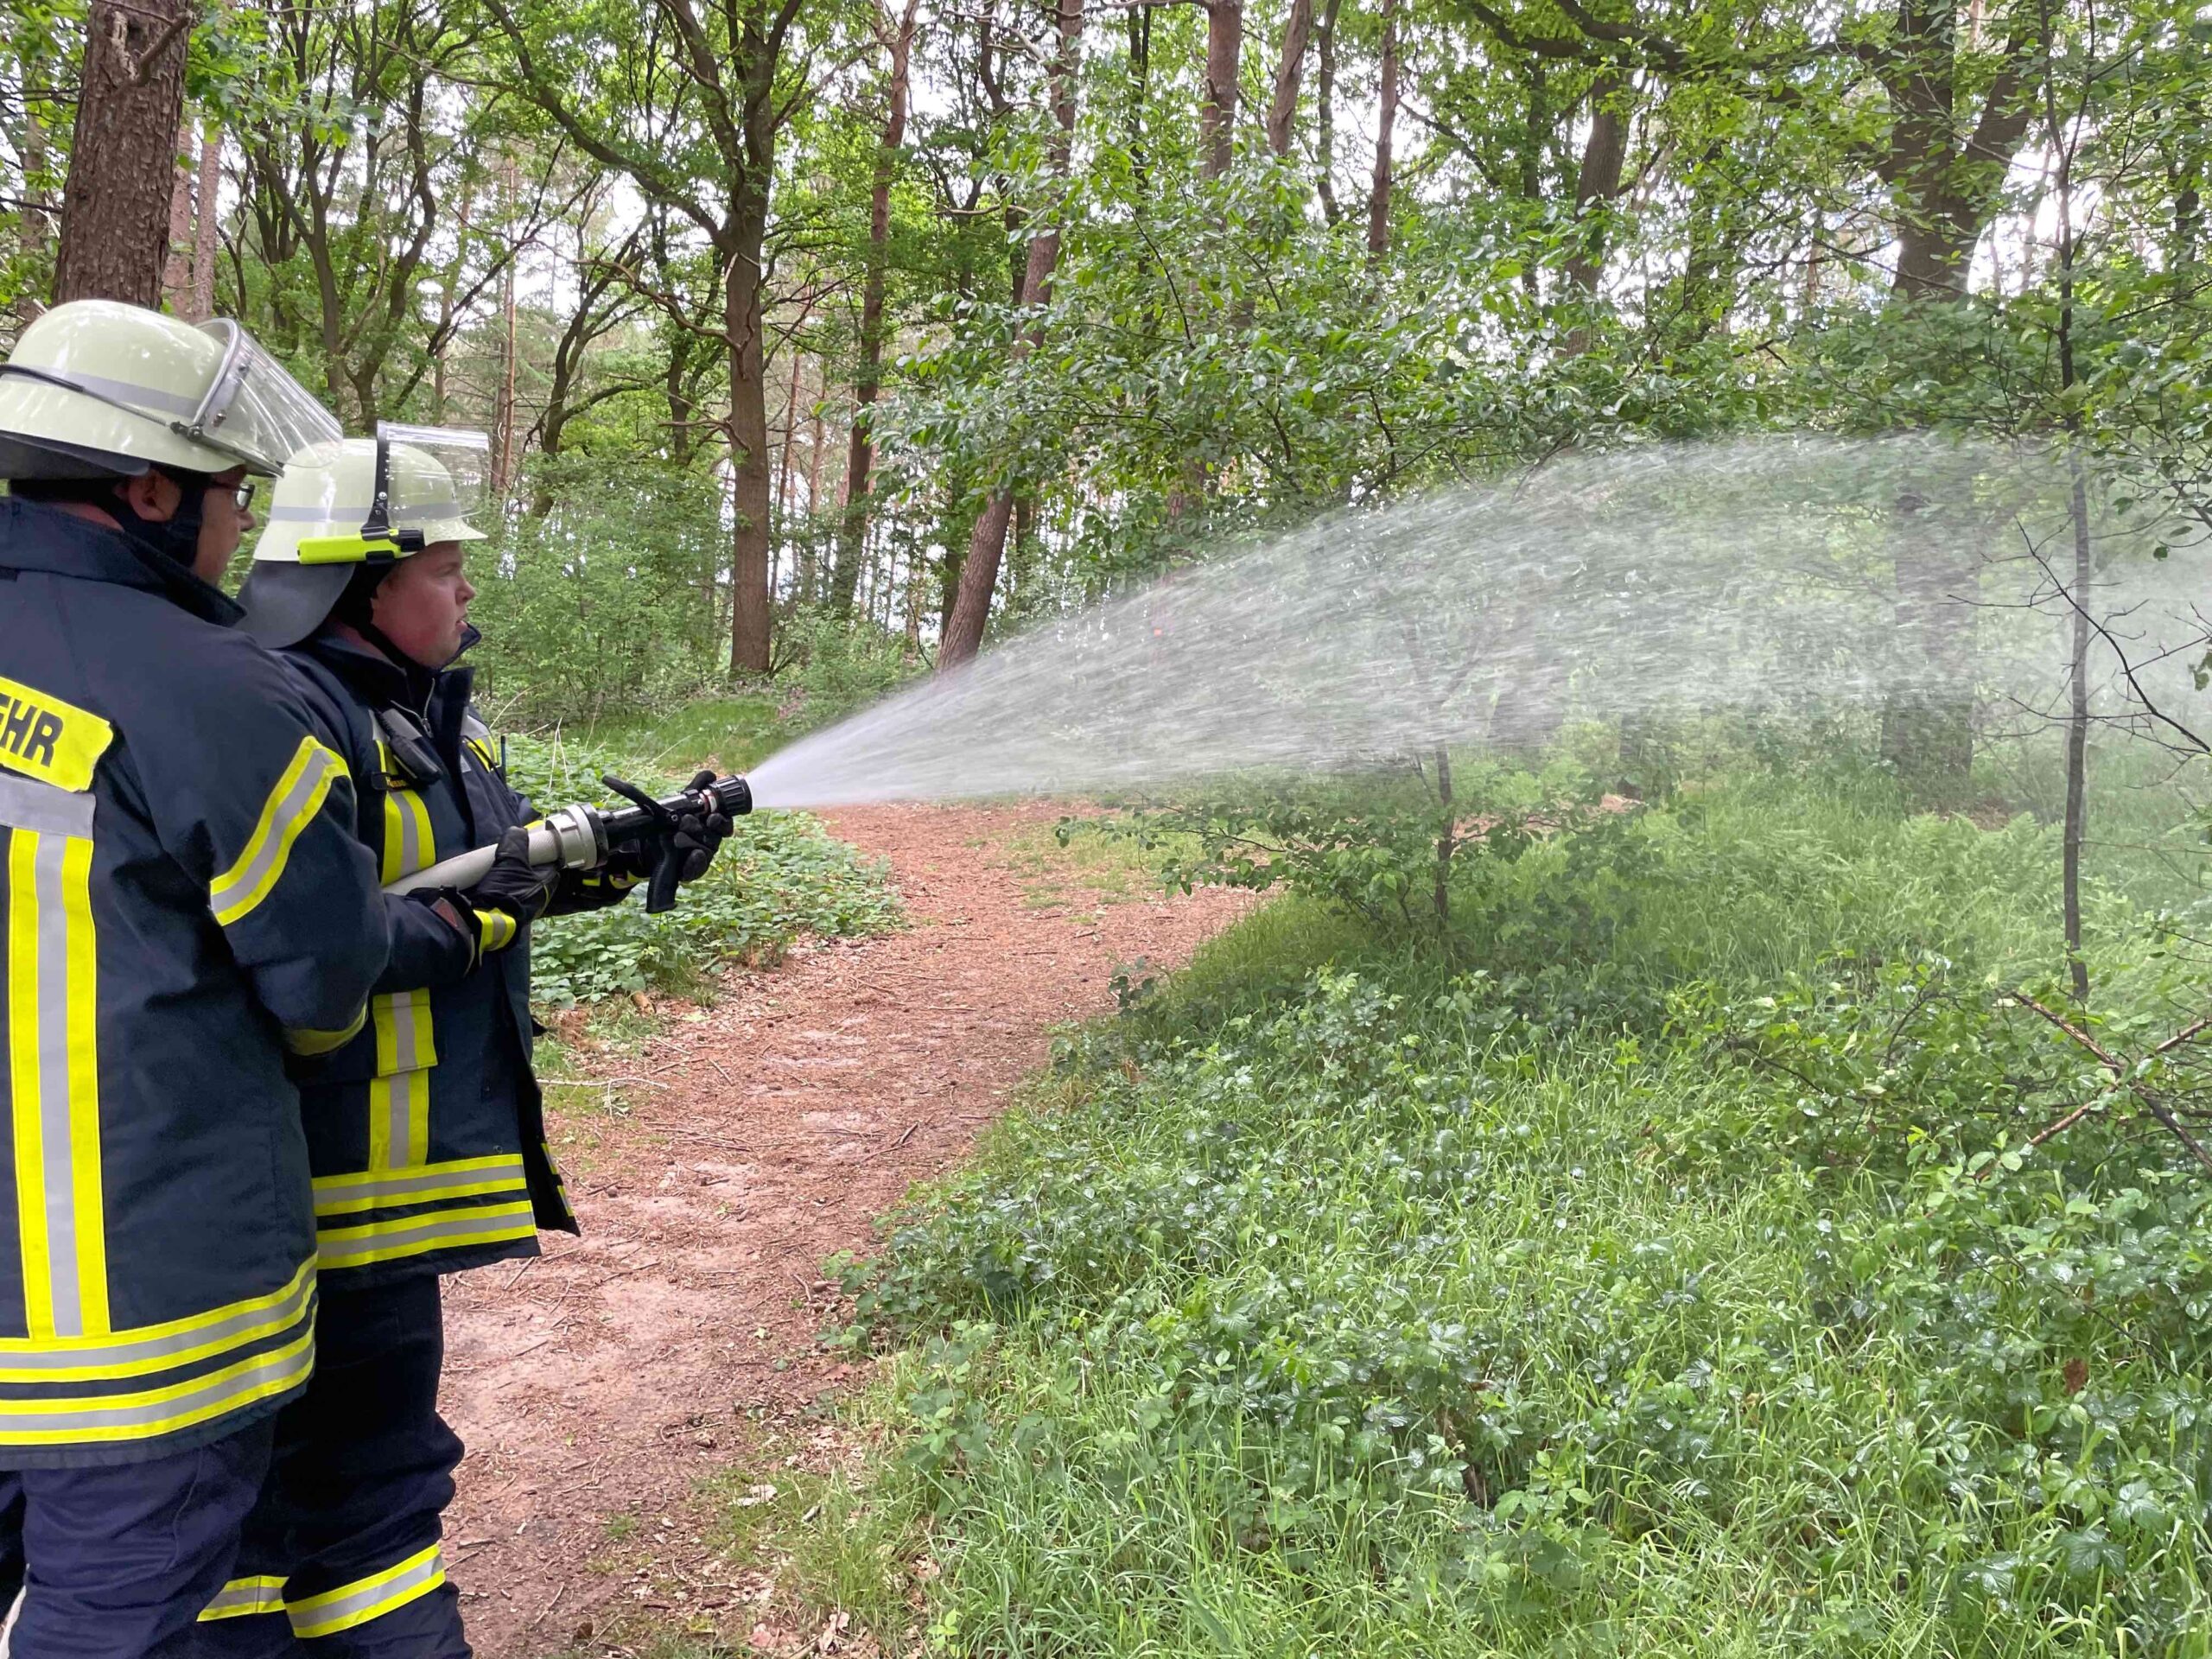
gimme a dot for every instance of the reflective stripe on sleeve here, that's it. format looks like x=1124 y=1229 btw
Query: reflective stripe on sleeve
x=242 y=1598
x=392 y=1241
x=356 y=1604
x=54 y=1079
x=463 y=1178
x=496 y=930
x=291 y=806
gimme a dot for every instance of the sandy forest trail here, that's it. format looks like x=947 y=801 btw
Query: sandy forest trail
x=596 y=1386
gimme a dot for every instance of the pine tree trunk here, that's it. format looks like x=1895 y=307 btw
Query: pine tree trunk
x=867 y=378
x=115 y=205
x=1378 y=199
x=176 y=270
x=748 y=440
x=1218 y=113
x=206 y=235
x=1325 y=114
x=979 y=570
x=1282 y=113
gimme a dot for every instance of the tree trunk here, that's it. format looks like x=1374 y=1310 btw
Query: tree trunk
x=748 y=436
x=979 y=570
x=176 y=270
x=1282 y=113
x=1378 y=200
x=115 y=205
x=1218 y=113
x=1598 y=183
x=206 y=235
x=867 y=378
x=1140 y=88
x=2077 y=736
x=1325 y=114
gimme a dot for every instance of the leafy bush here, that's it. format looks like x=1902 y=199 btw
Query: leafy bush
x=779 y=876
x=1669 y=1283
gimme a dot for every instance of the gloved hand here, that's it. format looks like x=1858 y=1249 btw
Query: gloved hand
x=696 y=839
x=699 y=836
x=513 y=885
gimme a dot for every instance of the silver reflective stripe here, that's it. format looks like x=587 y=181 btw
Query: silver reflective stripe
x=221 y=1334
x=430 y=1230
x=398 y=1093
x=426 y=1183
x=406 y=1056
x=359 y=515
x=27 y=804
x=281 y=818
x=343 y=1609
x=57 y=1175
x=256 y=1380
x=411 y=831
x=143 y=397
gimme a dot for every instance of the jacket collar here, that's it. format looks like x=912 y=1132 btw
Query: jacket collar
x=382 y=683
x=36 y=536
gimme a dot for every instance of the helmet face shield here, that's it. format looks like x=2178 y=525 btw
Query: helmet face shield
x=359 y=500
x=439 y=478
x=253 y=410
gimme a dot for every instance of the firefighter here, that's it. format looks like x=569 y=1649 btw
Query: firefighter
x=181 y=895
x=426 y=1131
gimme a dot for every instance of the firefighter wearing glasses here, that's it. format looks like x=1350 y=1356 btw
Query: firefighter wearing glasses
x=425 y=1131
x=181 y=896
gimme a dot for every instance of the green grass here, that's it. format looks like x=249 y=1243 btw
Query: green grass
x=729 y=734
x=1624 y=1283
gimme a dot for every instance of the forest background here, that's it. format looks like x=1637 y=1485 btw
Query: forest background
x=1768 y=1215
x=822 y=340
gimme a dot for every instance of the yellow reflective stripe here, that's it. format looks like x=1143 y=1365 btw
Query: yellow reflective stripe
x=290 y=808
x=53 y=1077
x=392 y=1241
x=83 y=1001
x=150 y=1413
x=45 y=738
x=356 y=1604
x=157 y=1347
x=399 y=1094
x=409 y=844
x=373 y=1188
x=241 y=1597
x=495 y=930
x=301 y=1040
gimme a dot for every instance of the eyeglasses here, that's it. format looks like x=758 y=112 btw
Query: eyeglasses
x=242 y=497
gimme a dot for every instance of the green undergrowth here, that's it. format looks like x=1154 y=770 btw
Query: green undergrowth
x=1663 y=1270
x=779 y=877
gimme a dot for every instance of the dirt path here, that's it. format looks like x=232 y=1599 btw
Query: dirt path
x=596 y=1386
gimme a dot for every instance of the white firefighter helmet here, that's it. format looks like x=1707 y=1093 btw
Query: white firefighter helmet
x=358 y=501
x=97 y=389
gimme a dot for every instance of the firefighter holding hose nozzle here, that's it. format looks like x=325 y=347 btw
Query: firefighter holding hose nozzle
x=425 y=1125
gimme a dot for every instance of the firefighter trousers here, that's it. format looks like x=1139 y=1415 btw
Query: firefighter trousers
x=116 y=1562
x=341 y=1558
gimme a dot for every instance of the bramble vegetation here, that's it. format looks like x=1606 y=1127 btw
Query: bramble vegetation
x=780 y=875
x=1675 y=1275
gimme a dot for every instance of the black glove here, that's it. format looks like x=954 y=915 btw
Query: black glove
x=513 y=885
x=698 y=836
